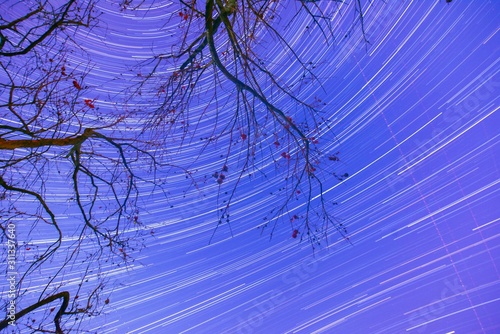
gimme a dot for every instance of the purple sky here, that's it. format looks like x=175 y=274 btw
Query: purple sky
x=415 y=115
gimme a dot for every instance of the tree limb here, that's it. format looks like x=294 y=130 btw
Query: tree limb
x=57 y=319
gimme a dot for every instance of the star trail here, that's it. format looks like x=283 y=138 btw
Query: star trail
x=413 y=115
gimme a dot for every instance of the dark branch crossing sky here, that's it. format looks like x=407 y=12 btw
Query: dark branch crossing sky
x=415 y=117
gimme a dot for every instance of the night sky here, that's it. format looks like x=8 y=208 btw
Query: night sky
x=414 y=117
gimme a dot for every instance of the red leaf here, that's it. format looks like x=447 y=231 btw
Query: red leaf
x=294 y=234
x=77 y=85
x=89 y=103
x=243 y=136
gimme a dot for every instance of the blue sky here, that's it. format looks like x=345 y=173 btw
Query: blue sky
x=414 y=115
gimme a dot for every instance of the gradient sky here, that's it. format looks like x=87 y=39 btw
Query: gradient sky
x=415 y=115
